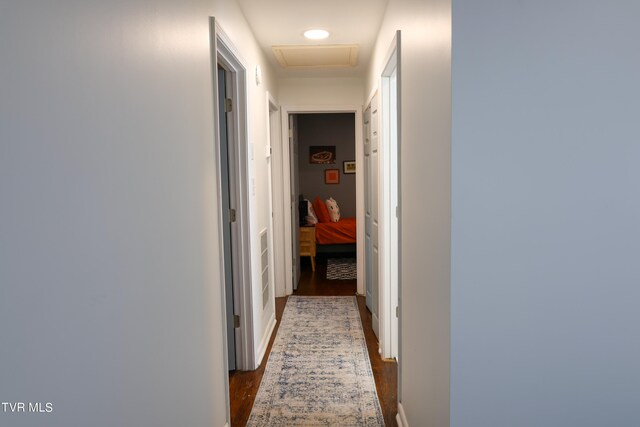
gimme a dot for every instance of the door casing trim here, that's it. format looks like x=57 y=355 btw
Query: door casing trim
x=223 y=52
x=287 y=254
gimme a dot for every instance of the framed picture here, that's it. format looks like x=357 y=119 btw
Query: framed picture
x=332 y=176
x=349 y=166
x=322 y=154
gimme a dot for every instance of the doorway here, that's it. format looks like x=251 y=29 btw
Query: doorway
x=331 y=134
x=231 y=157
x=228 y=211
x=290 y=186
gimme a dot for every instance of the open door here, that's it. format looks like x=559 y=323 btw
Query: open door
x=390 y=202
x=371 y=162
x=228 y=216
x=295 y=215
x=367 y=207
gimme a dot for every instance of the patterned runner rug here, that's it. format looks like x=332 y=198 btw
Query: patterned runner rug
x=342 y=269
x=318 y=372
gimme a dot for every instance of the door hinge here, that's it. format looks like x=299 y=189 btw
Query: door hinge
x=397 y=311
x=228 y=105
x=232 y=215
x=236 y=321
x=290 y=133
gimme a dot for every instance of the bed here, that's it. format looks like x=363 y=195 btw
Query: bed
x=330 y=237
x=336 y=233
x=336 y=237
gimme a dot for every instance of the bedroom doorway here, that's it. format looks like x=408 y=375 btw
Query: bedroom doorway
x=325 y=143
x=321 y=180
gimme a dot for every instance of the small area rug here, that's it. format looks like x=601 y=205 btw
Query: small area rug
x=342 y=269
x=318 y=372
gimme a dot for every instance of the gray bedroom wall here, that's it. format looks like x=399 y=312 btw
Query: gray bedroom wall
x=328 y=129
x=546 y=214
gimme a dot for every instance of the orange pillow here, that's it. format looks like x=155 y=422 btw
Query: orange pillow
x=321 y=210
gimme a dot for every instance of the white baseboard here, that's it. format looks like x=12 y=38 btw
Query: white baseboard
x=226 y=424
x=375 y=325
x=401 y=417
x=264 y=343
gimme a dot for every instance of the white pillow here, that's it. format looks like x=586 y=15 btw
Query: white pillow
x=311 y=217
x=334 y=210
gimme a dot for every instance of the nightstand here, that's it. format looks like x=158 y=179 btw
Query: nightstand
x=308 y=244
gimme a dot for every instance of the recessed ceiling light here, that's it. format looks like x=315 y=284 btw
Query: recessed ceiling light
x=316 y=34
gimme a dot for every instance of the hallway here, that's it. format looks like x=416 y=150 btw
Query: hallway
x=518 y=153
x=243 y=385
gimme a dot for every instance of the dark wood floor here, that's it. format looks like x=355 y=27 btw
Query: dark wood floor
x=243 y=386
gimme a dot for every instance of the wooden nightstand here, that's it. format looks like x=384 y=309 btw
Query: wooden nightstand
x=308 y=244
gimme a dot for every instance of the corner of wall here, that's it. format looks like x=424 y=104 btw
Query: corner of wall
x=401 y=417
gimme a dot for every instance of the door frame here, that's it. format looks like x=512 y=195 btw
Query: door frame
x=287 y=253
x=274 y=152
x=390 y=205
x=223 y=52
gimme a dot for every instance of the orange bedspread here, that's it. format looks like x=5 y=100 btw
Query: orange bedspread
x=343 y=231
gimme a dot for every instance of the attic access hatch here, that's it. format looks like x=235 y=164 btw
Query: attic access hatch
x=317 y=56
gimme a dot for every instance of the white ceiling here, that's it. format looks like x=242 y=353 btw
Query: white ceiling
x=283 y=22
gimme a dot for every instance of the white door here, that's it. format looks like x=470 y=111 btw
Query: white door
x=389 y=204
x=367 y=210
x=371 y=160
x=227 y=208
x=274 y=172
x=295 y=217
x=394 y=189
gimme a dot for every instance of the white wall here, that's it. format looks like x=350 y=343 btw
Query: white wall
x=425 y=201
x=109 y=257
x=546 y=205
x=233 y=23
x=321 y=91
